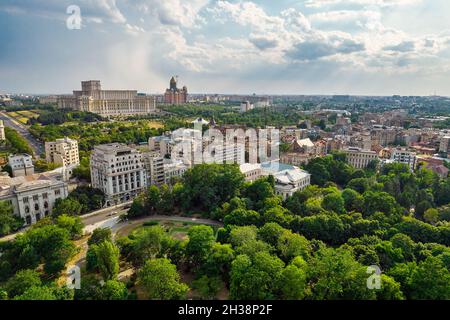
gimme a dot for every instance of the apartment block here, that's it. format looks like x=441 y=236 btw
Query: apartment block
x=62 y=151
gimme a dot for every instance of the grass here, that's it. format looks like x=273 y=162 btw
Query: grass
x=23 y=116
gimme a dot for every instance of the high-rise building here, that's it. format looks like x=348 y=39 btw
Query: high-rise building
x=174 y=95
x=2 y=131
x=400 y=155
x=62 y=151
x=118 y=171
x=108 y=103
x=444 y=145
x=21 y=165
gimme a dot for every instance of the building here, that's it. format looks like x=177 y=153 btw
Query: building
x=21 y=165
x=2 y=131
x=246 y=106
x=174 y=95
x=289 y=181
x=62 y=151
x=444 y=145
x=118 y=171
x=33 y=197
x=359 y=158
x=161 y=170
x=108 y=103
x=404 y=156
x=251 y=171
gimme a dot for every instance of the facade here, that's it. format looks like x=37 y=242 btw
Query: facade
x=118 y=171
x=33 y=197
x=174 y=95
x=2 y=131
x=62 y=151
x=21 y=165
x=359 y=158
x=108 y=103
x=246 y=106
x=444 y=145
x=404 y=156
x=251 y=171
x=161 y=170
x=289 y=181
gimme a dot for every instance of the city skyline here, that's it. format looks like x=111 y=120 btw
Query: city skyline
x=355 y=47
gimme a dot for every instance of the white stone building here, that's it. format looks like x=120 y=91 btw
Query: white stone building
x=359 y=158
x=444 y=145
x=33 y=197
x=251 y=171
x=62 y=151
x=21 y=165
x=118 y=171
x=289 y=181
x=108 y=103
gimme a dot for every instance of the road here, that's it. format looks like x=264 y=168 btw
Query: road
x=37 y=146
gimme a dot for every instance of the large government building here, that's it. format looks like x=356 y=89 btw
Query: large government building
x=108 y=103
x=175 y=95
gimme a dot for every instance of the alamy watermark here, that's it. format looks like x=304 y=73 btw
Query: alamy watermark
x=374 y=280
x=73 y=22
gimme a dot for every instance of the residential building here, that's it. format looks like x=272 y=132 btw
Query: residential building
x=400 y=155
x=108 y=103
x=174 y=95
x=2 y=131
x=21 y=165
x=62 y=151
x=359 y=158
x=118 y=171
x=33 y=197
x=444 y=145
x=246 y=106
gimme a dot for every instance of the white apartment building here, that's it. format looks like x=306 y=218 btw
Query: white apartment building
x=289 y=181
x=2 y=131
x=118 y=171
x=161 y=170
x=246 y=106
x=34 y=196
x=404 y=156
x=359 y=158
x=21 y=165
x=62 y=151
x=444 y=145
x=108 y=103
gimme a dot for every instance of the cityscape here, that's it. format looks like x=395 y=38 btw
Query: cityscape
x=145 y=185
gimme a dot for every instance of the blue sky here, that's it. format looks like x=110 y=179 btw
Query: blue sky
x=373 y=47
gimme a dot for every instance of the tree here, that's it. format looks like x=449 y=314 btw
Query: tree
x=152 y=199
x=99 y=235
x=291 y=245
x=270 y=233
x=430 y=280
x=334 y=275
x=37 y=293
x=150 y=242
x=431 y=216
x=219 y=260
x=21 y=282
x=67 y=206
x=72 y=224
x=161 y=280
x=201 y=241
x=107 y=255
x=255 y=278
x=353 y=201
x=390 y=289
x=114 y=290
x=8 y=221
x=334 y=202
x=293 y=280
x=207 y=287
x=242 y=217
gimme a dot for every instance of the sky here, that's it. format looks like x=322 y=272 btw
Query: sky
x=360 y=47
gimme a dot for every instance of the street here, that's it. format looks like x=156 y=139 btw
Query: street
x=37 y=146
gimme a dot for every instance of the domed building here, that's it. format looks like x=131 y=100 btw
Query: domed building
x=174 y=95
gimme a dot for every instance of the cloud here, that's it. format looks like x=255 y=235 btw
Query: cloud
x=405 y=46
x=380 y=3
x=91 y=10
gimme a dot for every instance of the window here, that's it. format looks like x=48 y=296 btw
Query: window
x=25 y=199
x=57 y=192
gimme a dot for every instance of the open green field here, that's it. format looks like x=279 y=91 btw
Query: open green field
x=23 y=116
